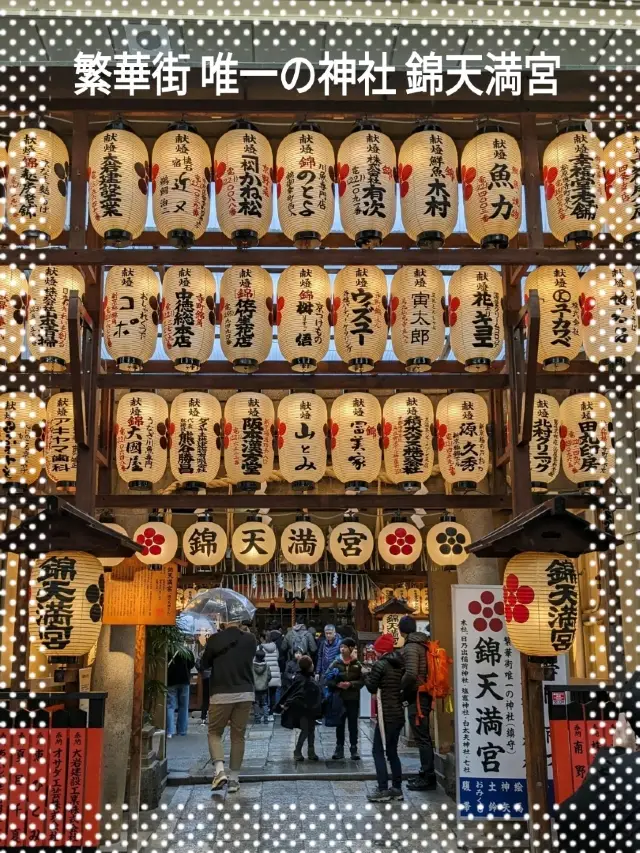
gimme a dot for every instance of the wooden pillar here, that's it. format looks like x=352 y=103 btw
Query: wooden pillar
x=135 y=745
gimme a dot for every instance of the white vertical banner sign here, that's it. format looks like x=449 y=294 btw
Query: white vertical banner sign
x=491 y=777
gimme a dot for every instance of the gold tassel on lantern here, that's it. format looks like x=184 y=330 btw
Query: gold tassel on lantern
x=416 y=316
x=37 y=181
x=491 y=165
x=248 y=439
x=544 y=447
x=407 y=439
x=22 y=420
x=621 y=161
x=366 y=185
x=188 y=316
x=303 y=304
x=49 y=291
x=585 y=439
x=195 y=439
x=475 y=317
x=608 y=300
x=355 y=439
x=131 y=316
x=13 y=302
x=245 y=316
x=304 y=174
x=558 y=291
x=181 y=184
x=142 y=439
x=60 y=449
x=118 y=181
x=243 y=163
x=428 y=178
x=461 y=433
x=359 y=316
x=301 y=434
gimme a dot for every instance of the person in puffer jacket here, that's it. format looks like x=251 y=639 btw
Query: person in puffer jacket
x=271 y=656
x=261 y=679
x=414 y=653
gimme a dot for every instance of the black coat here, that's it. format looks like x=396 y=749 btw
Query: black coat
x=229 y=654
x=351 y=672
x=386 y=676
x=414 y=653
x=301 y=700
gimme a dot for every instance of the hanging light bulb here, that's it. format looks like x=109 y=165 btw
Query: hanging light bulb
x=416 y=316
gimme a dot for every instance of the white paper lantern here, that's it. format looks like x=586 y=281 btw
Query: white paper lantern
x=61 y=450
x=204 y=543
x=22 y=420
x=159 y=543
x=585 y=439
x=475 y=317
x=302 y=543
x=608 y=307
x=559 y=292
x=544 y=447
x=65 y=613
x=188 y=316
x=351 y=543
x=359 y=316
x=355 y=439
x=142 y=439
x=248 y=439
x=245 y=311
x=48 y=315
x=416 y=316
x=365 y=173
x=407 y=439
x=110 y=562
x=195 y=439
x=242 y=169
x=304 y=174
x=461 y=433
x=447 y=542
x=131 y=316
x=621 y=161
x=13 y=309
x=253 y=543
x=302 y=316
x=399 y=543
x=118 y=182
x=301 y=432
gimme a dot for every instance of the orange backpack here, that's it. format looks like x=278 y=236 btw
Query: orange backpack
x=437 y=683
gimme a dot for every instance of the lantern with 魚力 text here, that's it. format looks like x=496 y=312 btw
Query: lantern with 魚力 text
x=60 y=448
x=22 y=420
x=463 y=446
x=131 y=316
x=355 y=439
x=48 y=314
x=304 y=173
x=159 y=542
x=365 y=174
x=416 y=316
x=559 y=291
x=490 y=169
x=428 y=178
x=301 y=435
x=13 y=303
x=194 y=453
x=608 y=300
x=302 y=543
x=621 y=160
x=181 y=184
x=248 y=439
x=351 y=543
x=475 y=317
x=118 y=182
x=142 y=438
x=407 y=439
x=399 y=543
x=245 y=316
x=544 y=447
x=204 y=543
x=359 y=316
x=303 y=304
x=253 y=543
x=540 y=593
x=447 y=542
x=242 y=172
x=585 y=439
x=188 y=316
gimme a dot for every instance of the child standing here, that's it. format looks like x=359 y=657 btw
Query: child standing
x=261 y=678
x=301 y=705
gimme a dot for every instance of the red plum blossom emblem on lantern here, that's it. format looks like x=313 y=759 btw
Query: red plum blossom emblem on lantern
x=549 y=175
x=218 y=171
x=281 y=429
x=488 y=612
x=277 y=174
x=587 y=304
x=517 y=597
x=563 y=436
x=387 y=429
x=404 y=173
x=400 y=541
x=228 y=429
x=393 y=308
x=342 y=173
x=154 y=177
x=453 y=311
x=441 y=431
x=151 y=541
x=468 y=175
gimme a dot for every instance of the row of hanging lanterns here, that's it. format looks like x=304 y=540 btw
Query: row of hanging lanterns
x=244 y=173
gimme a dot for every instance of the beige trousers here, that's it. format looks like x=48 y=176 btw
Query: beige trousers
x=236 y=715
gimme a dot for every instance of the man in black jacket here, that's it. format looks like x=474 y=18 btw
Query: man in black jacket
x=414 y=653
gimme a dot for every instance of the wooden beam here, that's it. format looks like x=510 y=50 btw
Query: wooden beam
x=78 y=183
x=74 y=330
x=532 y=180
x=526 y=401
x=135 y=743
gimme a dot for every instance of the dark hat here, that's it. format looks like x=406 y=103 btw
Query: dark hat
x=259 y=655
x=351 y=644
x=407 y=625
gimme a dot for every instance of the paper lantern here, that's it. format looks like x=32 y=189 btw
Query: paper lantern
x=48 y=314
x=413 y=598
x=181 y=183
x=301 y=432
x=544 y=447
x=416 y=316
x=399 y=543
x=585 y=439
x=195 y=439
x=461 y=432
x=407 y=439
x=428 y=178
x=351 y=543
x=242 y=171
x=621 y=160
x=302 y=543
x=359 y=316
x=13 y=303
x=355 y=439
x=447 y=542
x=131 y=316
x=490 y=171
x=365 y=174
x=424 y=601
x=159 y=543
x=559 y=292
x=304 y=174
x=253 y=543
x=65 y=613
x=248 y=439
x=142 y=439
x=188 y=316
x=36 y=187
x=110 y=562
x=204 y=543
x=608 y=311
x=303 y=305
x=540 y=603
x=118 y=181
x=246 y=303
x=22 y=420
x=475 y=317
x=571 y=175
x=60 y=449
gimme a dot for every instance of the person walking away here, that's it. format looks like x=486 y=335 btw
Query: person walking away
x=328 y=650
x=384 y=681
x=205 y=675
x=274 y=635
x=178 y=680
x=346 y=676
x=298 y=639
x=414 y=653
x=300 y=706
x=261 y=679
x=229 y=654
x=270 y=650
x=290 y=671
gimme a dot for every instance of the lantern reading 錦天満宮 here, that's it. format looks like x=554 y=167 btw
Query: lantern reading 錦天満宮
x=142 y=439
x=131 y=316
x=407 y=439
x=399 y=543
x=355 y=439
x=13 y=308
x=302 y=316
x=416 y=316
x=585 y=439
x=188 y=316
x=205 y=542
x=463 y=445
x=475 y=317
x=22 y=421
x=544 y=447
x=558 y=291
x=253 y=543
x=302 y=543
x=50 y=289
x=621 y=161
x=301 y=436
x=608 y=308
x=195 y=430
x=359 y=316
x=351 y=543
x=60 y=447
x=248 y=439
x=245 y=316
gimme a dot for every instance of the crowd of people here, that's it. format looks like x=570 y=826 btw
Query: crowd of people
x=309 y=681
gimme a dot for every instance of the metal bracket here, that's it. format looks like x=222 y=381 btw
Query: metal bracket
x=528 y=315
x=79 y=363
